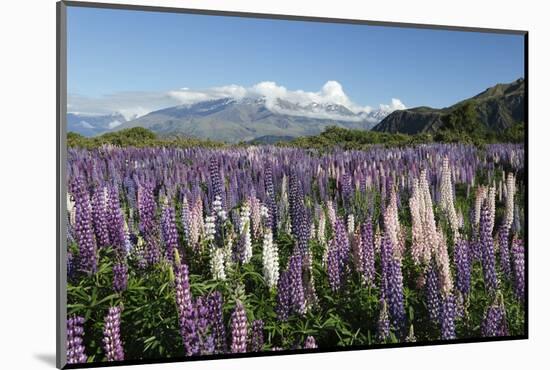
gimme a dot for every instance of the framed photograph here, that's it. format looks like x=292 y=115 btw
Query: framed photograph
x=234 y=184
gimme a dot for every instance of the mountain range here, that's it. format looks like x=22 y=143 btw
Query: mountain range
x=497 y=108
x=234 y=120
x=93 y=124
x=248 y=119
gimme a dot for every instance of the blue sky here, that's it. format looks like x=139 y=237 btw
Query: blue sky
x=121 y=51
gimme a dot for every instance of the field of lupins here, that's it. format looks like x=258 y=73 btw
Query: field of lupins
x=193 y=252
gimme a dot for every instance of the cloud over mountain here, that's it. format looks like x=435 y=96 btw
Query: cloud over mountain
x=311 y=104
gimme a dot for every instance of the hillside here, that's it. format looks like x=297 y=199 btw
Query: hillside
x=497 y=109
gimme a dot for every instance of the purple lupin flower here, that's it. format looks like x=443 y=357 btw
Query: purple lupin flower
x=333 y=265
x=185 y=218
x=206 y=338
x=297 y=297
x=100 y=217
x=238 y=329
x=84 y=234
x=270 y=199
x=310 y=343
x=518 y=260
x=494 y=323
x=117 y=233
x=283 y=296
x=215 y=307
x=298 y=216
x=120 y=276
x=383 y=330
x=487 y=250
x=186 y=309
x=70 y=265
x=463 y=266
x=447 y=317
x=216 y=182
x=256 y=341
x=395 y=295
x=169 y=231
x=367 y=246
x=503 y=234
x=75 y=347
x=433 y=297
x=112 y=343
x=392 y=277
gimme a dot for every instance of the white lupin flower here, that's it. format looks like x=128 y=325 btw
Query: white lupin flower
x=447 y=197
x=209 y=228
x=351 y=224
x=428 y=219
x=510 y=191
x=71 y=209
x=217 y=208
x=245 y=232
x=270 y=259
x=217 y=266
x=442 y=260
x=491 y=195
x=391 y=222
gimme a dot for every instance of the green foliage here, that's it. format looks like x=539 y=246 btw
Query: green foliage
x=136 y=137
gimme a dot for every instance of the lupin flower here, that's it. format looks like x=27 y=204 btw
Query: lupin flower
x=186 y=309
x=100 y=217
x=76 y=352
x=283 y=296
x=333 y=266
x=215 y=178
x=169 y=231
x=117 y=232
x=217 y=264
x=185 y=217
x=256 y=341
x=462 y=266
x=218 y=209
x=487 y=250
x=206 y=339
x=494 y=323
x=410 y=338
x=246 y=239
x=447 y=317
x=367 y=248
x=310 y=342
x=395 y=294
x=209 y=228
x=270 y=195
x=504 y=249
x=83 y=229
x=447 y=197
x=433 y=296
x=112 y=343
x=518 y=260
x=351 y=224
x=510 y=191
x=297 y=297
x=238 y=329
x=270 y=260
x=383 y=329
x=120 y=276
x=391 y=223
x=217 y=326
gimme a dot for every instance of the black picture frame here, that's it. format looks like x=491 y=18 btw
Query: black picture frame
x=61 y=187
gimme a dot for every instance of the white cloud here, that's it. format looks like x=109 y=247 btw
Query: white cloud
x=302 y=103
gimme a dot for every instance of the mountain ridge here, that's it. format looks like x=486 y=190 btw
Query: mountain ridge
x=497 y=108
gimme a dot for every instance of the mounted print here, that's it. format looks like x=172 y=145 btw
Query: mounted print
x=235 y=184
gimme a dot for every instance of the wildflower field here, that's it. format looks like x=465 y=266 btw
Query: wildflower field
x=178 y=252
